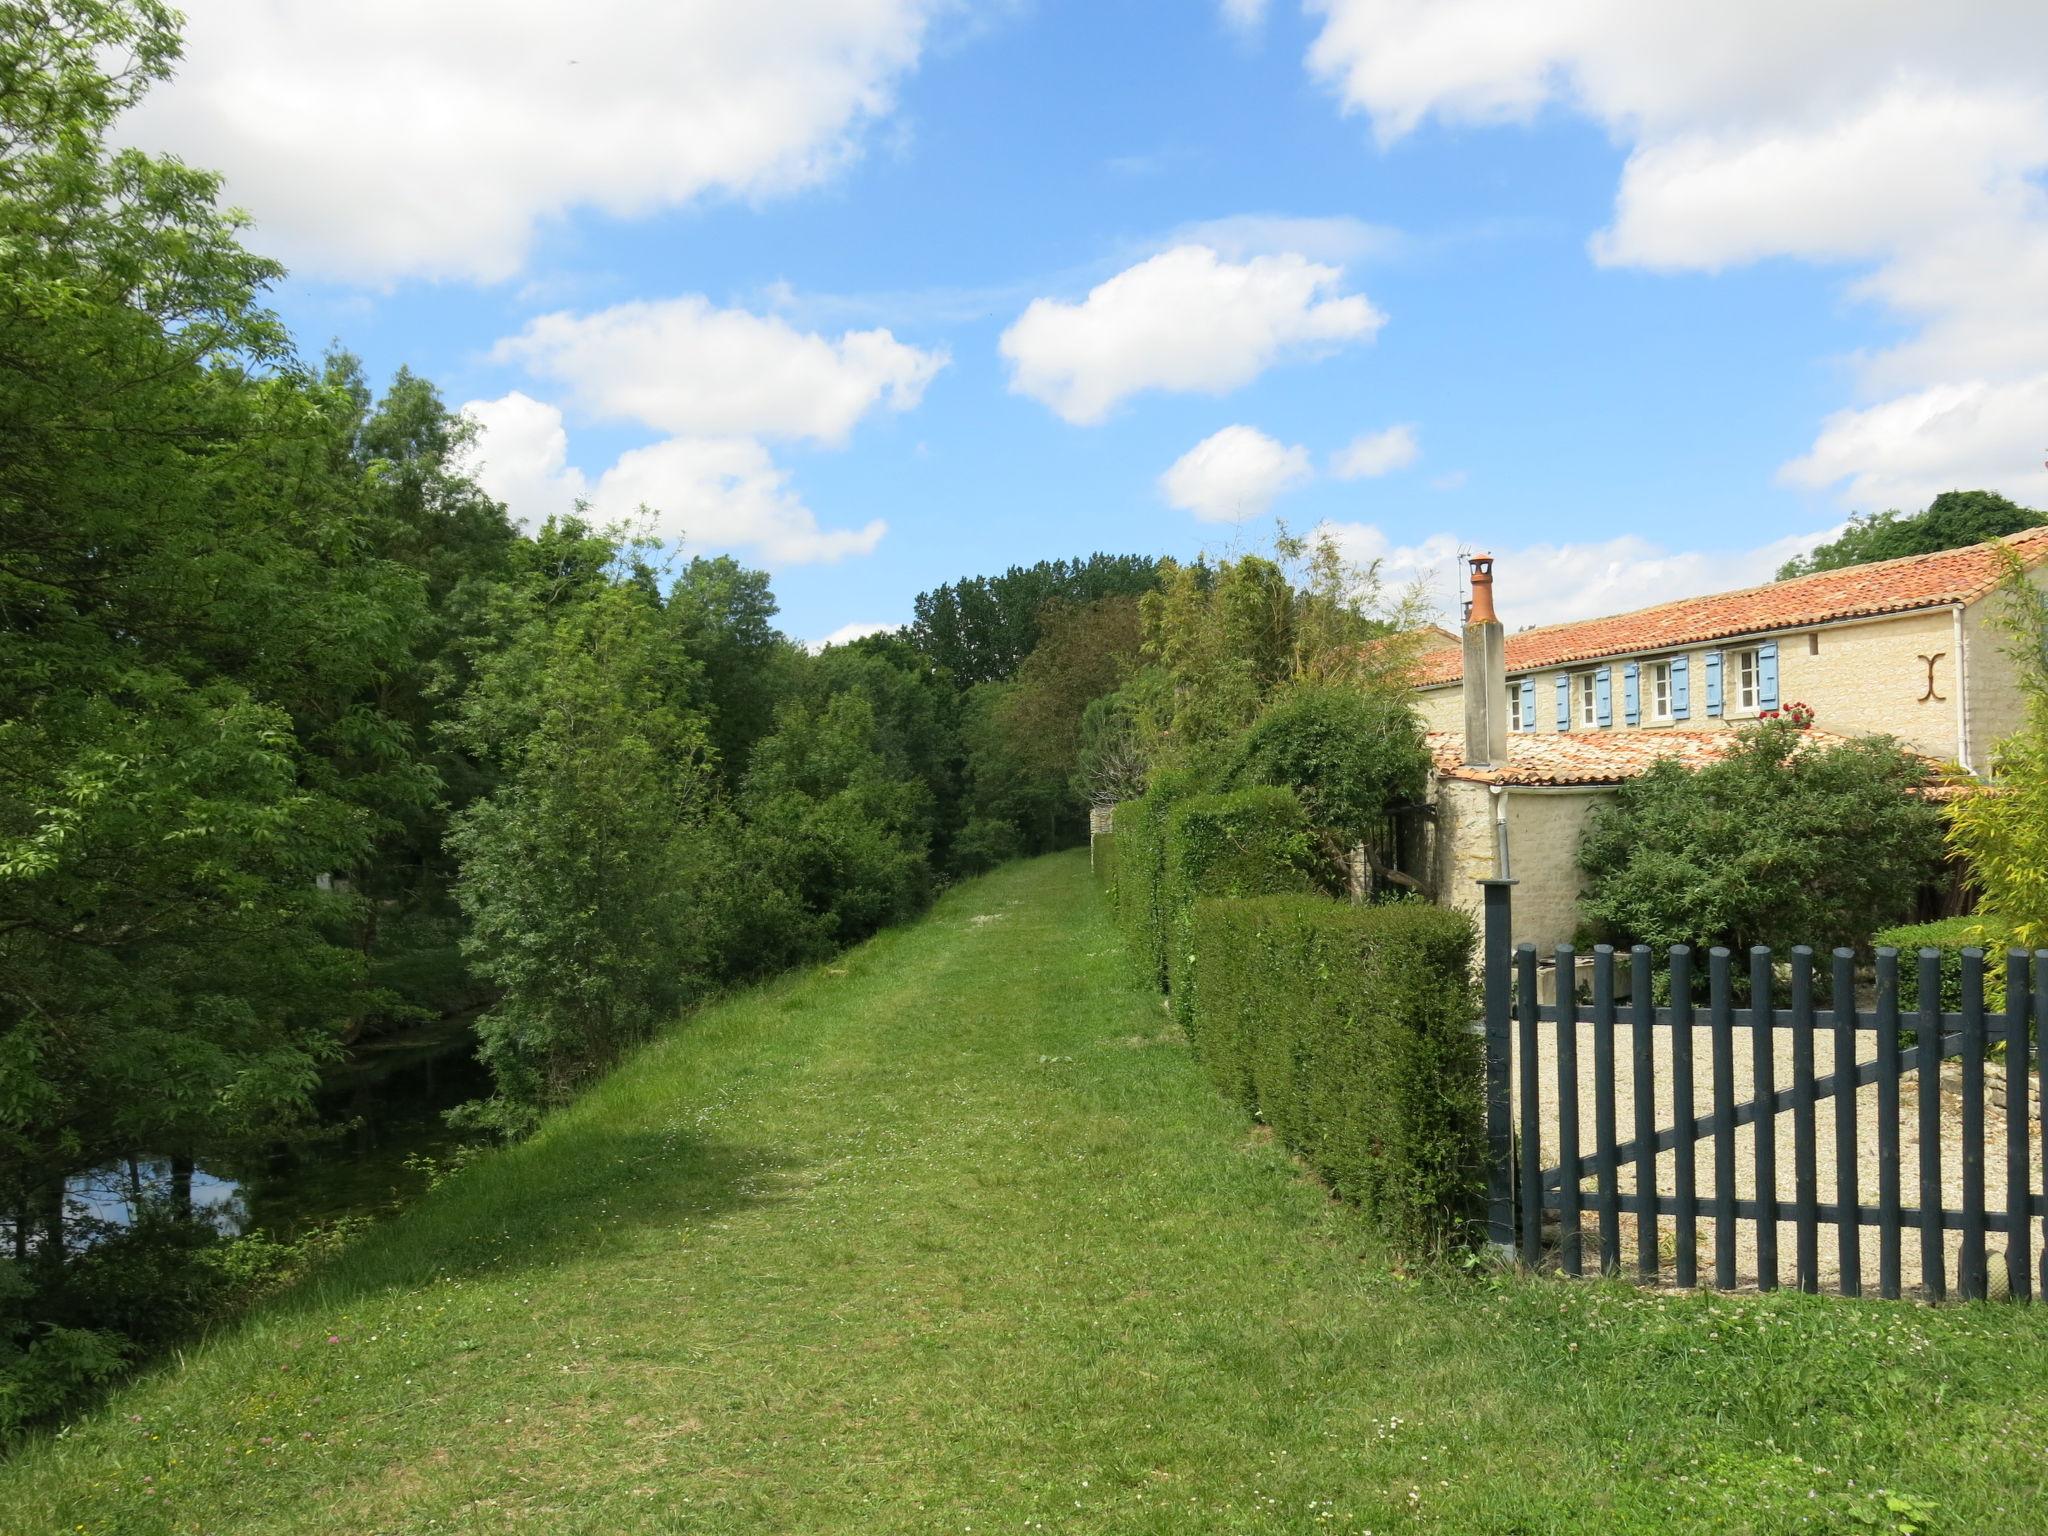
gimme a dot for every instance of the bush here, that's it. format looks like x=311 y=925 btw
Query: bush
x=1347 y=1029
x=1348 y=752
x=1102 y=862
x=1951 y=936
x=1779 y=843
x=1140 y=831
x=1251 y=843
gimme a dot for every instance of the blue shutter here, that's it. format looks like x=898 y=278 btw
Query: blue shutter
x=1681 y=689
x=1564 y=701
x=1525 y=717
x=1767 y=675
x=1603 y=697
x=1631 y=694
x=1713 y=682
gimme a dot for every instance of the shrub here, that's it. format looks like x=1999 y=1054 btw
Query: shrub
x=1348 y=1030
x=1779 y=843
x=1140 y=831
x=1348 y=752
x=1951 y=936
x=1253 y=842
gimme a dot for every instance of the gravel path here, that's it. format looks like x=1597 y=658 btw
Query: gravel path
x=1745 y=1152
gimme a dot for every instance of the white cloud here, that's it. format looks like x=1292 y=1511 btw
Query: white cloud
x=522 y=457
x=1554 y=583
x=380 y=139
x=1903 y=140
x=1904 y=452
x=681 y=365
x=846 y=634
x=710 y=492
x=1333 y=238
x=1186 y=320
x=1232 y=474
x=1376 y=454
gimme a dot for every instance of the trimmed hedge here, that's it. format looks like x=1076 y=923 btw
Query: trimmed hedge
x=1950 y=935
x=1254 y=842
x=1102 y=860
x=1348 y=1030
x=1141 y=857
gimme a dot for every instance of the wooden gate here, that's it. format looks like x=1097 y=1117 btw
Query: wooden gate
x=1687 y=1084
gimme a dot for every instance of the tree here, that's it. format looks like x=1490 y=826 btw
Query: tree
x=574 y=869
x=1953 y=520
x=198 y=624
x=1780 y=842
x=723 y=615
x=1348 y=752
x=979 y=629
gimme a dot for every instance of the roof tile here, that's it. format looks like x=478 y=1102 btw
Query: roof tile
x=1890 y=586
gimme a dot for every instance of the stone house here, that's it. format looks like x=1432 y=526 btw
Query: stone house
x=1529 y=731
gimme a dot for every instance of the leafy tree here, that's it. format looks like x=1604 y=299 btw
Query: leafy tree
x=198 y=623
x=723 y=615
x=1953 y=520
x=1778 y=843
x=832 y=822
x=574 y=868
x=1348 y=752
x=979 y=629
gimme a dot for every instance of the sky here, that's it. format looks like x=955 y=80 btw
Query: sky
x=879 y=293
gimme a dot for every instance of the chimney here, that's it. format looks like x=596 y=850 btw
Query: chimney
x=1486 y=674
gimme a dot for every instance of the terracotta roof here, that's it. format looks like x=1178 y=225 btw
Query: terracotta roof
x=1592 y=757
x=1889 y=586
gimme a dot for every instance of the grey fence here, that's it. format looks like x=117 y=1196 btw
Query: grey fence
x=1686 y=1083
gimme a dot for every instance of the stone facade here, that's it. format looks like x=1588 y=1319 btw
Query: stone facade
x=1544 y=828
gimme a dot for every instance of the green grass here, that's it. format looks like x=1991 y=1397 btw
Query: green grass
x=953 y=1234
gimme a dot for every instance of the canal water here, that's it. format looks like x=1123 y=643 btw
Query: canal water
x=386 y=1105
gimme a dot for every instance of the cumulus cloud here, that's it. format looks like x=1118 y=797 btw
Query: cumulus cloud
x=1904 y=141
x=1546 y=583
x=1188 y=320
x=1376 y=454
x=710 y=492
x=381 y=139
x=1232 y=474
x=683 y=365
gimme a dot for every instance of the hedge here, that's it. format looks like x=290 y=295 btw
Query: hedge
x=1102 y=861
x=1253 y=842
x=1950 y=935
x=1140 y=836
x=1348 y=1030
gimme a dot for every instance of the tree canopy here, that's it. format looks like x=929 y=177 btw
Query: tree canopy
x=1953 y=520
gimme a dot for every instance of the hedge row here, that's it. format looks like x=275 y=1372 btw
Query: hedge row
x=1250 y=843
x=1348 y=1030
x=1102 y=860
x=1951 y=936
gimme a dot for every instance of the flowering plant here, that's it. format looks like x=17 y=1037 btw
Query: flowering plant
x=1795 y=714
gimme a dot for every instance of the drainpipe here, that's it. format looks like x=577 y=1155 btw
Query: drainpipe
x=1501 y=870
x=1962 y=693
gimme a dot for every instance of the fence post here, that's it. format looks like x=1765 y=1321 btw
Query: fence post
x=1496 y=960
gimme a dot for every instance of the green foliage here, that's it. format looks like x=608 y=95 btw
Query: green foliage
x=1348 y=752
x=1781 y=842
x=1950 y=936
x=2001 y=830
x=1347 y=1029
x=979 y=629
x=1102 y=862
x=572 y=870
x=1252 y=842
x=1141 y=904
x=1953 y=520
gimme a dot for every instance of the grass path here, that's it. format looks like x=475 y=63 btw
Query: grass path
x=951 y=1235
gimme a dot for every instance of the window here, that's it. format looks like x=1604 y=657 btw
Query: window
x=1746 y=679
x=1588 y=712
x=1660 y=690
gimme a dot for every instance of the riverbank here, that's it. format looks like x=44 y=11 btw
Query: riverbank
x=953 y=1233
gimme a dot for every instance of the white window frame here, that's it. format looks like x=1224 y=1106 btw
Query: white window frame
x=1660 y=693
x=1749 y=679
x=1585 y=701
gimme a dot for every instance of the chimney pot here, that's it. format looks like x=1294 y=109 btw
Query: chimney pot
x=1482 y=591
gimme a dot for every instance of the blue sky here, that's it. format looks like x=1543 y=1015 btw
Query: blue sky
x=1628 y=299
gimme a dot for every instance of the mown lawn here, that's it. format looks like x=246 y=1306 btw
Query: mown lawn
x=952 y=1235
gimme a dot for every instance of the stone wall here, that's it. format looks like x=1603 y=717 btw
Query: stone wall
x=1544 y=828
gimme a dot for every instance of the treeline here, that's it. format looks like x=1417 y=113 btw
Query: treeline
x=302 y=740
